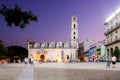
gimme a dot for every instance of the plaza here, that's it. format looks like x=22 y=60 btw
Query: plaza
x=59 y=71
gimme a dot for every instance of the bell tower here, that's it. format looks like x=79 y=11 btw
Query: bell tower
x=74 y=32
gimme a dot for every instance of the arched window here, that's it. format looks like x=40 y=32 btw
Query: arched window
x=74 y=18
x=74 y=33
x=52 y=45
x=59 y=44
x=44 y=45
x=74 y=26
x=74 y=37
x=115 y=37
x=67 y=45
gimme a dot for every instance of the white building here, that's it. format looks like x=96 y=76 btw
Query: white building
x=56 y=51
x=88 y=43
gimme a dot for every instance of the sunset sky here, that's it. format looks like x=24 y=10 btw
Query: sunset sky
x=54 y=20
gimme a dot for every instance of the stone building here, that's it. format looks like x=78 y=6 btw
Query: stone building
x=112 y=33
x=56 y=51
x=84 y=48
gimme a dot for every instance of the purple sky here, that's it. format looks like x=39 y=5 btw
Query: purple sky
x=54 y=20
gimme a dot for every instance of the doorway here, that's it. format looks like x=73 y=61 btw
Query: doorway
x=42 y=57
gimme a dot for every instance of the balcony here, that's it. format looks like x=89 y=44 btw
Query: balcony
x=112 y=42
x=113 y=29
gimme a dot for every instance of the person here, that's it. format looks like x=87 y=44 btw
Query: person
x=113 y=61
x=108 y=63
x=32 y=60
x=97 y=59
x=93 y=59
x=29 y=60
x=26 y=60
x=19 y=61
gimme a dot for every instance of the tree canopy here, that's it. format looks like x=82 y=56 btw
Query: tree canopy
x=3 y=51
x=17 y=17
x=116 y=52
x=16 y=52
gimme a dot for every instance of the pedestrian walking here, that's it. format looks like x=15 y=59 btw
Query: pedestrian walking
x=113 y=61
x=108 y=63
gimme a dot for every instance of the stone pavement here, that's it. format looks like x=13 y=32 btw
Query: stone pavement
x=81 y=65
x=27 y=73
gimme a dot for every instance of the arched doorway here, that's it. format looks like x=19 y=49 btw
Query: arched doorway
x=67 y=57
x=108 y=56
x=117 y=53
x=111 y=52
x=116 y=47
x=42 y=57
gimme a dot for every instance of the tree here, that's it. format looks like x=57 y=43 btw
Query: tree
x=116 y=53
x=17 y=17
x=16 y=52
x=3 y=51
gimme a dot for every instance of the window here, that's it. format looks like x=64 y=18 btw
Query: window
x=30 y=54
x=116 y=31
x=74 y=26
x=74 y=33
x=111 y=27
x=107 y=30
x=115 y=37
x=59 y=46
x=111 y=40
x=74 y=37
x=111 y=34
x=108 y=41
x=74 y=18
x=107 y=36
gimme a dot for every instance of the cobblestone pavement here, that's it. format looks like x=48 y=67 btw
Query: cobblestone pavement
x=76 y=71
x=10 y=72
x=81 y=65
x=26 y=74
x=68 y=71
x=74 y=74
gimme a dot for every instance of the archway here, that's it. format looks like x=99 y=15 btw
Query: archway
x=116 y=47
x=67 y=57
x=111 y=51
x=117 y=53
x=108 y=53
x=42 y=57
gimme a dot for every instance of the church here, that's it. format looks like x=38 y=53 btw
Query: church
x=56 y=52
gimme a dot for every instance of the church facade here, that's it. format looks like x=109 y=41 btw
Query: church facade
x=58 y=52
